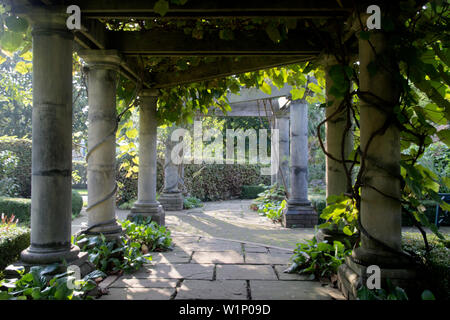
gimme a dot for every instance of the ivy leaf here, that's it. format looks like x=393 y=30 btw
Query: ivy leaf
x=444 y=136
x=297 y=93
x=11 y=41
x=273 y=33
x=267 y=89
x=161 y=7
x=16 y=24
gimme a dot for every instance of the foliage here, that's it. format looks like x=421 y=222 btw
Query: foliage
x=192 y=202
x=271 y=194
x=15 y=164
x=38 y=285
x=251 y=192
x=13 y=239
x=150 y=235
x=437 y=159
x=319 y=259
x=435 y=263
x=341 y=213
x=80 y=167
x=392 y=293
x=77 y=203
x=113 y=256
x=273 y=211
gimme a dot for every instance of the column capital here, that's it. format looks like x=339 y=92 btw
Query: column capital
x=107 y=59
x=45 y=20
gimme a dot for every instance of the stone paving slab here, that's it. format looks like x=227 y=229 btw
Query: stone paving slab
x=245 y=272
x=139 y=294
x=171 y=257
x=290 y=276
x=253 y=248
x=212 y=290
x=218 y=245
x=222 y=257
x=144 y=283
x=175 y=271
x=267 y=258
x=288 y=290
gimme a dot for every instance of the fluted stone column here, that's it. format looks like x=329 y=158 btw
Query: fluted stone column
x=51 y=180
x=282 y=124
x=146 y=205
x=171 y=199
x=299 y=212
x=103 y=69
x=380 y=215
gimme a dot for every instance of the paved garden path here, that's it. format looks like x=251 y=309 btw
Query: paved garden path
x=223 y=250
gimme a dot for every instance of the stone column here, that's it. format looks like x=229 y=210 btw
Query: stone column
x=273 y=154
x=299 y=212
x=380 y=215
x=282 y=124
x=146 y=205
x=103 y=69
x=51 y=213
x=336 y=178
x=171 y=199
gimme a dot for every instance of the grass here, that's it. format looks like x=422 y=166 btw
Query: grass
x=82 y=192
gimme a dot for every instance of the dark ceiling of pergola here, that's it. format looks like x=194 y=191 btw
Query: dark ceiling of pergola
x=246 y=52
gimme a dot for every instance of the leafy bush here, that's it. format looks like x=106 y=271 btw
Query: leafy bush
x=112 y=257
x=251 y=192
x=148 y=234
x=9 y=187
x=392 y=293
x=273 y=210
x=341 y=213
x=80 y=167
x=436 y=262
x=77 y=203
x=15 y=162
x=437 y=158
x=192 y=202
x=271 y=194
x=319 y=259
x=37 y=285
x=13 y=239
x=430 y=213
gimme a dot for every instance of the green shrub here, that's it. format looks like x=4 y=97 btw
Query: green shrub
x=192 y=202
x=20 y=150
x=13 y=239
x=80 y=167
x=251 y=192
x=19 y=207
x=77 y=203
x=430 y=213
x=436 y=263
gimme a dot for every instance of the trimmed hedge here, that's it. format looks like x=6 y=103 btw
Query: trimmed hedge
x=21 y=207
x=12 y=241
x=251 y=192
x=21 y=148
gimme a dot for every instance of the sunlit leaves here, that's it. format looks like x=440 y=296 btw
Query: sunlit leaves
x=297 y=93
x=161 y=7
x=23 y=67
x=444 y=136
x=16 y=24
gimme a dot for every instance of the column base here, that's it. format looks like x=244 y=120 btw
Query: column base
x=172 y=201
x=110 y=229
x=48 y=255
x=299 y=214
x=351 y=276
x=152 y=210
x=81 y=260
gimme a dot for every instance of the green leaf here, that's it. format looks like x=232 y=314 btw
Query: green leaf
x=11 y=41
x=347 y=231
x=161 y=7
x=16 y=24
x=427 y=295
x=266 y=88
x=297 y=93
x=444 y=136
x=273 y=33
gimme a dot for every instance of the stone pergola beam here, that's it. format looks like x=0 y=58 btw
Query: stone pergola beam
x=223 y=67
x=215 y=9
x=177 y=43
